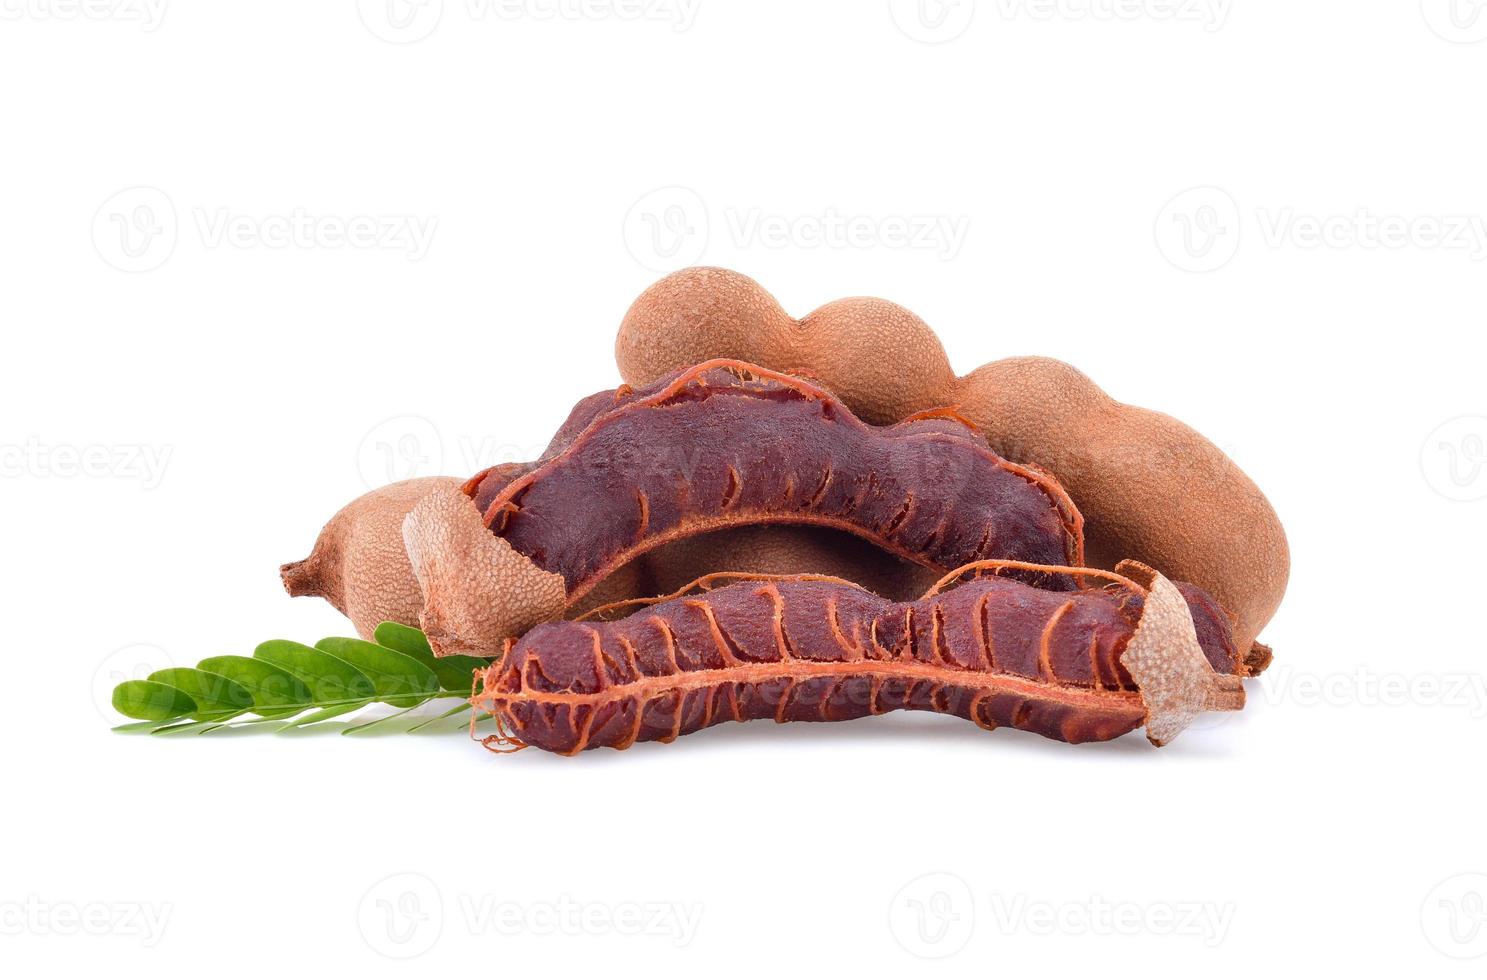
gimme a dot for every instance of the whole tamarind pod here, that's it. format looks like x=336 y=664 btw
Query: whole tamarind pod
x=359 y=563
x=721 y=444
x=1086 y=665
x=876 y=356
x=1150 y=487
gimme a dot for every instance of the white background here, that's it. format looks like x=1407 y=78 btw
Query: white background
x=1316 y=308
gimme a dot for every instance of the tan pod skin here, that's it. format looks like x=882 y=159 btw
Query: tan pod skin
x=475 y=585
x=359 y=563
x=1150 y=487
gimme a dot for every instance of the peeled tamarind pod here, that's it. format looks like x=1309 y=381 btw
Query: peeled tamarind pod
x=359 y=564
x=1150 y=487
x=1086 y=665
x=719 y=445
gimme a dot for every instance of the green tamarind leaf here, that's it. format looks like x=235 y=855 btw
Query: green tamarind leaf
x=403 y=639
x=144 y=727
x=459 y=709
x=330 y=679
x=216 y=697
x=399 y=680
x=152 y=701
x=323 y=714
x=386 y=722
x=276 y=692
x=456 y=673
x=289 y=685
x=187 y=727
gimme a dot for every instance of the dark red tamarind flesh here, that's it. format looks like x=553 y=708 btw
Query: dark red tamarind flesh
x=994 y=650
x=725 y=444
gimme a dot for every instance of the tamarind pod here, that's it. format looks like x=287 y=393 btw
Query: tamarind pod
x=721 y=444
x=359 y=563
x=1150 y=487
x=1086 y=665
x=1212 y=626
